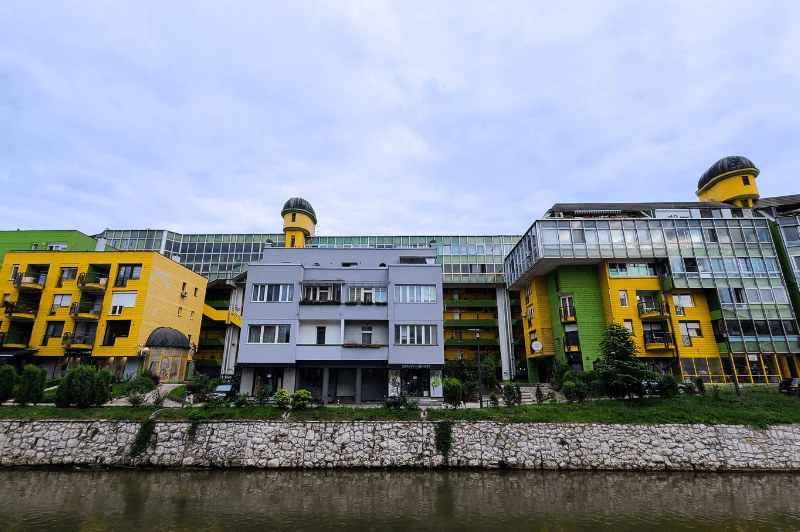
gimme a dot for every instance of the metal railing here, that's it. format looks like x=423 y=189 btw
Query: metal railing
x=86 y=308
x=651 y=307
x=571 y=340
x=30 y=278
x=78 y=338
x=566 y=312
x=21 y=307
x=93 y=278
x=658 y=337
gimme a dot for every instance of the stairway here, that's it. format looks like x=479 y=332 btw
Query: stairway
x=528 y=390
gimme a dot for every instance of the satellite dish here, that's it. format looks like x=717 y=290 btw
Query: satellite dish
x=536 y=345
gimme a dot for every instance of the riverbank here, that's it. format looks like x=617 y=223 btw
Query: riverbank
x=401 y=444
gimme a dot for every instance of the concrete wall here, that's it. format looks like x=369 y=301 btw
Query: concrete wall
x=406 y=444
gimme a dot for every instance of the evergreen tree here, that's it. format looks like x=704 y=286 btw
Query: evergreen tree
x=620 y=372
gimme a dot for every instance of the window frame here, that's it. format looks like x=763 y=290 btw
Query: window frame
x=426 y=293
x=260 y=293
x=624 y=301
x=277 y=330
x=409 y=334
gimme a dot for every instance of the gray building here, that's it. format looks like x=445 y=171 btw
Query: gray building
x=350 y=325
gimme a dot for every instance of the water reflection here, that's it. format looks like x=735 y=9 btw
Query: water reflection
x=67 y=500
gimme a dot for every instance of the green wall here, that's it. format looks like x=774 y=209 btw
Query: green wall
x=584 y=284
x=786 y=267
x=22 y=241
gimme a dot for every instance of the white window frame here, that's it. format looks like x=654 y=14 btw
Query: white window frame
x=116 y=310
x=628 y=324
x=415 y=335
x=357 y=294
x=624 y=302
x=276 y=331
x=261 y=293
x=14 y=271
x=415 y=293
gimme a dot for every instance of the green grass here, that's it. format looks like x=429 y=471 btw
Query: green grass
x=32 y=413
x=178 y=393
x=118 y=390
x=351 y=413
x=211 y=414
x=755 y=408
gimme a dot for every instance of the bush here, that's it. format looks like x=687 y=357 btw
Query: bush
x=488 y=372
x=7 y=376
x=79 y=388
x=31 y=386
x=588 y=377
x=596 y=388
x=152 y=376
x=241 y=400
x=401 y=402
x=690 y=389
x=199 y=382
x=300 y=399
x=569 y=391
x=669 y=386
x=135 y=399
x=539 y=395
x=618 y=368
x=453 y=391
x=141 y=384
x=561 y=369
x=103 y=382
x=569 y=376
x=282 y=399
x=512 y=394
x=493 y=400
x=701 y=386
x=262 y=397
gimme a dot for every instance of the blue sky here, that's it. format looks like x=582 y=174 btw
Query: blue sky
x=389 y=117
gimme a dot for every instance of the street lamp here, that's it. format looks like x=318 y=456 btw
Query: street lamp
x=480 y=372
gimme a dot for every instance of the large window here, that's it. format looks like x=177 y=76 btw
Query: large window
x=409 y=293
x=332 y=292
x=268 y=334
x=120 y=300
x=67 y=274
x=797 y=263
x=128 y=272
x=631 y=269
x=415 y=335
x=368 y=294
x=273 y=292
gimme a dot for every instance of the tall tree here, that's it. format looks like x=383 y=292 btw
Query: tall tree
x=620 y=372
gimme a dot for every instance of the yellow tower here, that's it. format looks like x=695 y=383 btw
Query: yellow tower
x=299 y=221
x=729 y=180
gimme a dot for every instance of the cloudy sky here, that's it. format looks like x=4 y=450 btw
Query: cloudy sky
x=401 y=117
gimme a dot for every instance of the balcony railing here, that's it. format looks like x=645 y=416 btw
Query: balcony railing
x=95 y=309
x=567 y=313
x=31 y=280
x=93 y=280
x=16 y=338
x=658 y=337
x=572 y=342
x=320 y=302
x=21 y=307
x=652 y=308
x=77 y=339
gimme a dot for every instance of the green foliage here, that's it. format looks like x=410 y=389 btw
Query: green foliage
x=403 y=401
x=701 y=386
x=575 y=391
x=689 y=389
x=282 y=399
x=596 y=388
x=178 y=393
x=103 y=382
x=588 y=376
x=7 y=376
x=241 y=400
x=141 y=384
x=142 y=439
x=453 y=391
x=512 y=394
x=152 y=376
x=78 y=388
x=568 y=389
x=539 y=395
x=669 y=386
x=494 y=401
x=262 y=397
x=488 y=372
x=31 y=386
x=300 y=399
x=561 y=369
x=443 y=438
x=617 y=368
x=715 y=392
x=569 y=376
x=136 y=399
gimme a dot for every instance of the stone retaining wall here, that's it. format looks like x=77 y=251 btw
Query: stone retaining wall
x=404 y=444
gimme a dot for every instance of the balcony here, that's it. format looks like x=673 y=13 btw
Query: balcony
x=572 y=343
x=15 y=339
x=86 y=311
x=30 y=282
x=78 y=339
x=567 y=314
x=652 y=310
x=93 y=283
x=21 y=310
x=320 y=302
x=658 y=340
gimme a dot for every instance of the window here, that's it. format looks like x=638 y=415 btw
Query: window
x=116 y=329
x=128 y=272
x=14 y=271
x=623 y=298
x=56 y=246
x=791 y=233
x=368 y=294
x=195 y=292
x=61 y=300
x=180 y=310
x=120 y=300
x=752 y=295
x=797 y=263
x=294 y=217
x=34 y=246
x=415 y=335
x=766 y=295
x=745 y=180
x=683 y=300
x=691 y=328
x=349 y=264
x=780 y=295
x=273 y=293
x=366 y=334
x=268 y=334
x=323 y=293
x=67 y=274
x=54 y=330
x=629 y=325
x=616 y=269
x=415 y=294
x=293 y=243
x=191 y=315
x=320 y=335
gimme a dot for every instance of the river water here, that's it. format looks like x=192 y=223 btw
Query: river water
x=396 y=500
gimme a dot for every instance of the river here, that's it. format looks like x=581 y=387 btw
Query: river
x=64 y=500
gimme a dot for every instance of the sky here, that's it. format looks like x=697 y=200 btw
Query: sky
x=404 y=117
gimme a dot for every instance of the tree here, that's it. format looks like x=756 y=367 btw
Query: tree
x=31 y=386
x=618 y=368
x=7 y=376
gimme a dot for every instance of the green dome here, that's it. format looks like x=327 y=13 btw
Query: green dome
x=299 y=205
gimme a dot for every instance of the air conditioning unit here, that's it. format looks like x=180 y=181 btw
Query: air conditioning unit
x=184 y=293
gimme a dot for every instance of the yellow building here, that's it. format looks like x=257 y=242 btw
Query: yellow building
x=97 y=307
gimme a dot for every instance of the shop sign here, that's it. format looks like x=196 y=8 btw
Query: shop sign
x=415 y=366
x=77 y=352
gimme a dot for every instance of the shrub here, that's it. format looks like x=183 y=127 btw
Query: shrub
x=300 y=399
x=136 y=399
x=141 y=384
x=560 y=370
x=143 y=436
x=512 y=394
x=241 y=400
x=596 y=388
x=494 y=400
x=152 y=376
x=401 y=402
x=569 y=376
x=568 y=389
x=488 y=372
x=31 y=386
x=701 y=386
x=7 y=376
x=539 y=395
x=582 y=391
x=262 y=397
x=443 y=439
x=453 y=391
x=78 y=388
x=669 y=386
x=689 y=389
x=282 y=399
x=103 y=382
x=715 y=392
x=588 y=376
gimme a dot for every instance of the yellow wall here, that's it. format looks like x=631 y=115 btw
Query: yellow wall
x=537 y=304
x=701 y=347
x=158 y=297
x=302 y=227
x=730 y=188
